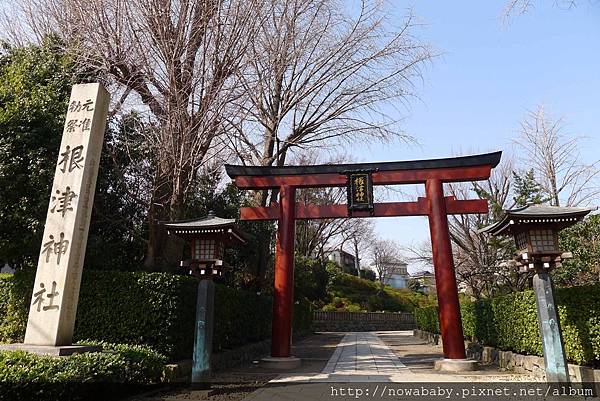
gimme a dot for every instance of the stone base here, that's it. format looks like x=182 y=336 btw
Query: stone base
x=280 y=363
x=59 y=350
x=455 y=365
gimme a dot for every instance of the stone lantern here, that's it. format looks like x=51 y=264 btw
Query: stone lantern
x=208 y=238
x=535 y=229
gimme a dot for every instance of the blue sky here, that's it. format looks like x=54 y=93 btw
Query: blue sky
x=490 y=73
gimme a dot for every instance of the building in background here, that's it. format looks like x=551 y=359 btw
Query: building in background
x=344 y=259
x=426 y=280
x=399 y=276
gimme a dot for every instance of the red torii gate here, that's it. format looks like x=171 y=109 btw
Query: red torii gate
x=433 y=173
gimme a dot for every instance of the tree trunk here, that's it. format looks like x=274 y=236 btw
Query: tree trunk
x=356 y=260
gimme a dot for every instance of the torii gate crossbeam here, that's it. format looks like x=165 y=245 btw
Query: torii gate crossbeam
x=432 y=173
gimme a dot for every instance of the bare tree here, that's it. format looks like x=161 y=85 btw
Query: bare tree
x=385 y=255
x=478 y=256
x=555 y=159
x=315 y=237
x=360 y=234
x=317 y=77
x=179 y=59
x=519 y=7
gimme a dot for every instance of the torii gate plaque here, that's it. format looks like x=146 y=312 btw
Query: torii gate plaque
x=433 y=173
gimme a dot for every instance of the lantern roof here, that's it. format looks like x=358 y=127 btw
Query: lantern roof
x=211 y=224
x=514 y=219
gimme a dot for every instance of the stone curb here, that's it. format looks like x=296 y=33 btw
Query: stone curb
x=525 y=364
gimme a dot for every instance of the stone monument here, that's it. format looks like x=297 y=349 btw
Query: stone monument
x=54 y=301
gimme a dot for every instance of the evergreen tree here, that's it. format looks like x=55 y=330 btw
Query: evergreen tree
x=35 y=85
x=527 y=191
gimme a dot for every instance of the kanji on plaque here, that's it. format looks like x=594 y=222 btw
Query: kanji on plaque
x=62 y=201
x=55 y=247
x=76 y=106
x=38 y=298
x=360 y=192
x=71 y=159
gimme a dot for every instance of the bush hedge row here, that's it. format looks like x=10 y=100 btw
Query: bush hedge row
x=155 y=309
x=510 y=322
x=97 y=375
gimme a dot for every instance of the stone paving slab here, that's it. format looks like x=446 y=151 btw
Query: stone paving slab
x=363 y=354
x=377 y=357
x=359 y=357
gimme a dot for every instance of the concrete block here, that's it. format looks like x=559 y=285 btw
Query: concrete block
x=596 y=375
x=489 y=355
x=529 y=363
x=455 y=365
x=579 y=374
x=518 y=360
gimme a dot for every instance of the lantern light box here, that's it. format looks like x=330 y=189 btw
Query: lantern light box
x=208 y=238
x=535 y=230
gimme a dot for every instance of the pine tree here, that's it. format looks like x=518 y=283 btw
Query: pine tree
x=527 y=190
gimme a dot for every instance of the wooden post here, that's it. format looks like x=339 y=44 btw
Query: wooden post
x=445 y=279
x=557 y=370
x=283 y=296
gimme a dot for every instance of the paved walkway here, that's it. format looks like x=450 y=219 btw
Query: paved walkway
x=334 y=360
x=359 y=357
x=383 y=357
x=363 y=354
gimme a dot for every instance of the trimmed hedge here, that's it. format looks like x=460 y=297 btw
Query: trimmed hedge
x=155 y=309
x=5 y=284
x=95 y=375
x=427 y=319
x=510 y=322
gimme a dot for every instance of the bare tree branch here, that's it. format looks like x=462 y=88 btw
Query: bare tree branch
x=555 y=159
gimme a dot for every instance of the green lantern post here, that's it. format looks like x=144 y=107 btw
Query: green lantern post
x=208 y=237
x=535 y=230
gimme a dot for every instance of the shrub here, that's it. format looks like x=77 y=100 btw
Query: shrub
x=427 y=319
x=94 y=375
x=510 y=322
x=310 y=280
x=5 y=285
x=241 y=317
x=156 y=309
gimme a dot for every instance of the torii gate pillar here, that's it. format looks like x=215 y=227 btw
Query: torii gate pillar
x=283 y=297
x=445 y=279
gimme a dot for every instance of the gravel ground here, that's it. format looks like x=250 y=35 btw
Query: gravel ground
x=224 y=387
